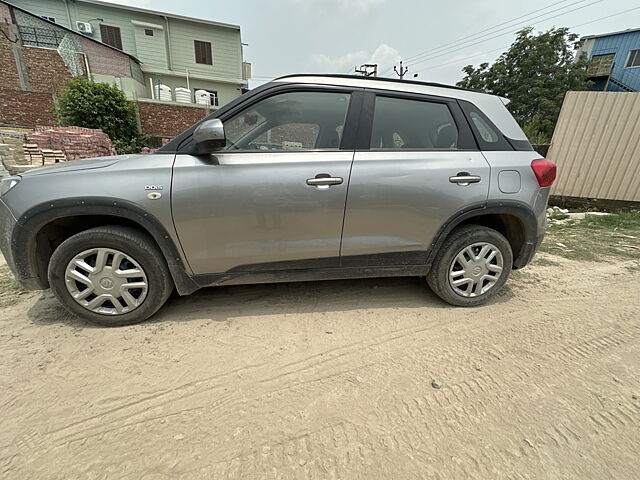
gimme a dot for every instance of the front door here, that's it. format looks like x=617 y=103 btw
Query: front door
x=274 y=197
x=422 y=166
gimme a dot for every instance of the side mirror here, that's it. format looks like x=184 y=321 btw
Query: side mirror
x=209 y=136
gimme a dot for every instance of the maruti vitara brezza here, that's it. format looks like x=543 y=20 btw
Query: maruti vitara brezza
x=308 y=177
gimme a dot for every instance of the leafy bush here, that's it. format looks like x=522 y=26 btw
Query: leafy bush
x=84 y=103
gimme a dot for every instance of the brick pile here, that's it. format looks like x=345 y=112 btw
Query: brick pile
x=73 y=142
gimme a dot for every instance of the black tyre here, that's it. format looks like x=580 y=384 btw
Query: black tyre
x=110 y=275
x=472 y=265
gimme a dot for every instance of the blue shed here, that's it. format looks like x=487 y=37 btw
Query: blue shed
x=614 y=60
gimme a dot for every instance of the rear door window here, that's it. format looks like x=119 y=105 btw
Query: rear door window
x=400 y=123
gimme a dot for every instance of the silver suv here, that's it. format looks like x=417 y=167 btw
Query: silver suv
x=308 y=177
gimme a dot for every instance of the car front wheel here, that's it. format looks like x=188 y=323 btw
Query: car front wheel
x=110 y=275
x=472 y=265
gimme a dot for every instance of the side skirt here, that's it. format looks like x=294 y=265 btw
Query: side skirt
x=306 y=275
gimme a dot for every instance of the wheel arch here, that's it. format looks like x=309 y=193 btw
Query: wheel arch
x=515 y=220
x=43 y=227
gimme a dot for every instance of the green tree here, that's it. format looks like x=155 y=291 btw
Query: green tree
x=534 y=74
x=84 y=103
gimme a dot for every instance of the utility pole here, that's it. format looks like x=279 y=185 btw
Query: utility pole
x=402 y=72
x=368 y=69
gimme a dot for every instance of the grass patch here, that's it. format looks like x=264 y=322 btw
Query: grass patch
x=9 y=288
x=598 y=239
x=544 y=262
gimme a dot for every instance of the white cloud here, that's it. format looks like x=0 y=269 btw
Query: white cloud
x=384 y=55
x=338 y=8
x=321 y=63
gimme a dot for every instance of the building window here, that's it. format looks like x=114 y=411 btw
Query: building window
x=600 y=65
x=148 y=32
x=40 y=37
x=634 y=59
x=203 y=52
x=51 y=19
x=111 y=36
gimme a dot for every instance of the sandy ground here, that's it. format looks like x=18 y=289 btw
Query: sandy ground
x=344 y=379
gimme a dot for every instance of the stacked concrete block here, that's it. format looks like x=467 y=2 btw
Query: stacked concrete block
x=6 y=159
x=14 y=139
x=53 y=156
x=33 y=154
x=42 y=156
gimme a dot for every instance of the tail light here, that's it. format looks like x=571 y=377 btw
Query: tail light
x=545 y=171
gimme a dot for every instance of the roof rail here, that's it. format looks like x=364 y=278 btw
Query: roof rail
x=375 y=79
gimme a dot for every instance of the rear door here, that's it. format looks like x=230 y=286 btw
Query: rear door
x=274 y=198
x=417 y=166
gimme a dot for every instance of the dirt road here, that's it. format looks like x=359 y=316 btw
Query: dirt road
x=346 y=379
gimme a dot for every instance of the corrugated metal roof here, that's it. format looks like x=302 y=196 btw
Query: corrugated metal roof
x=596 y=145
x=629 y=30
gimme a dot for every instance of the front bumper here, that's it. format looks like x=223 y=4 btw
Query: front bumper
x=7 y=225
x=9 y=246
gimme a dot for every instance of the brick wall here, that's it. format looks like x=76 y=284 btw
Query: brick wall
x=26 y=108
x=168 y=120
x=5 y=13
x=45 y=69
x=47 y=75
x=8 y=69
x=105 y=61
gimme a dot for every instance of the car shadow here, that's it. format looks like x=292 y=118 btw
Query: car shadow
x=219 y=304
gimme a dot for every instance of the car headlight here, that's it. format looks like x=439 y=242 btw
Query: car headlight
x=7 y=184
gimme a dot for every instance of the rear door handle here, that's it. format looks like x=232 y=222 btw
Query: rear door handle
x=464 y=178
x=324 y=180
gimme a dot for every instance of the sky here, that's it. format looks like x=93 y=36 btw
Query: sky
x=434 y=39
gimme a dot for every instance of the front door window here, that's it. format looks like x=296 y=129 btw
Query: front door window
x=290 y=121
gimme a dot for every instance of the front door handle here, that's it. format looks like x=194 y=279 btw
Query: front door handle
x=324 y=180
x=464 y=178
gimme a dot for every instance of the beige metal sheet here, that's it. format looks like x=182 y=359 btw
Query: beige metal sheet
x=596 y=145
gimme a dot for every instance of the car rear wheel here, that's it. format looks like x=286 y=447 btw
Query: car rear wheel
x=110 y=275
x=472 y=265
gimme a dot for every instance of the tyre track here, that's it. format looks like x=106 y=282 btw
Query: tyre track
x=299 y=378
x=255 y=389
x=464 y=407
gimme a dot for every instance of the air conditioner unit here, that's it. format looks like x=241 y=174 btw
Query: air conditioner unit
x=84 y=27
